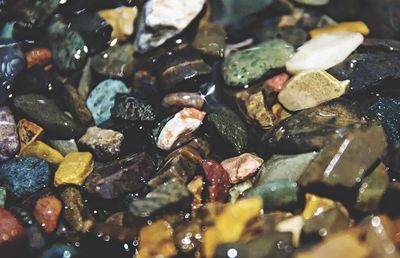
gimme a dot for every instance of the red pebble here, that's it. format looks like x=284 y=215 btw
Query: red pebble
x=277 y=83
x=218 y=180
x=41 y=56
x=11 y=230
x=47 y=210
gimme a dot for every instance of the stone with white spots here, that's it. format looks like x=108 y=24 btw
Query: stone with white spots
x=9 y=143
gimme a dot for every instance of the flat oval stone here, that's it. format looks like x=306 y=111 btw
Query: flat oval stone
x=47 y=210
x=74 y=169
x=101 y=99
x=46 y=113
x=9 y=143
x=324 y=51
x=311 y=88
x=25 y=175
x=242 y=167
x=246 y=66
x=133 y=109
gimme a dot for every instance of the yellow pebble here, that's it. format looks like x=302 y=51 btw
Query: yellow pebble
x=316 y=205
x=41 y=150
x=74 y=169
x=356 y=26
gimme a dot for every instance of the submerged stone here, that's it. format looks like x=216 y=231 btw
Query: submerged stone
x=25 y=175
x=196 y=188
x=237 y=191
x=74 y=169
x=122 y=21
x=241 y=167
x=119 y=177
x=315 y=205
x=133 y=109
x=324 y=51
x=40 y=150
x=9 y=142
x=218 y=180
x=249 y=65
x=45 y=112
x=210 y=40
x=292 y=34
x=101 y=99
x=58 y=250
x=355 y=26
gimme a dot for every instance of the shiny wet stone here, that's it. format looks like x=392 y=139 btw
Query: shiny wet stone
x=218 y=180
x=28 y=132
x=59 y=250
x=47 y=210
x=40 y=150
x=9 y=142
x=130 y=108
x=74 y=169
x=122 y=21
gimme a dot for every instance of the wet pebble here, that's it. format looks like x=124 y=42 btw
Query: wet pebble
x=130 y=108
x=74 y=169
x=9 y=142
x=47 y=210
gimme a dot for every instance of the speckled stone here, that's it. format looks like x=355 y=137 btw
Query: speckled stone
x=183 y=99
x=218 y=180
x=45 y=112
x=246 y=66
x=25 y=175
x=133 y=109
x=101 y=99
x=105 y=144
x=9 y=143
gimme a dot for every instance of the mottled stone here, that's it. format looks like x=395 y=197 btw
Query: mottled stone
x=28 y=132
x=38 y=56
x=246 y=66
x=9 y=143
x=170 y=195
x=310 y=89
x=46 y=212
x=196 y=188
x=160 y=20
x=105 y=144
x=184 y=122
x=133 y=109
x=64 y=146
x=119 y=177
x=117 y=61
x=76 y=105
x=121 y=19
x=67 y=46
x=75 y=212
x=44 y=111
x=11 y=230
x=25 y=175
x=324 y=51
x=279 y=113
x=160 y=234
x=210 y=40
x=313 y=128
x=218 y=180
x=40 y=150
x=3 y=196
x=101 y=99
x=183 y=99
x=334 y=166
x=229 y=127
x=257 y=110
x=12 y=64
x=59 y=250
x=241 y=167
x=355 y=26
x=74 y=169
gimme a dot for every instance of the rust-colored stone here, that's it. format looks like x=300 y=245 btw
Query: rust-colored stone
x=218 y=180
x=41 y=56
x=47 y=210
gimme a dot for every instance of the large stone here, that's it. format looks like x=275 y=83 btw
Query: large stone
x=9 y=143
x=25 y=175
x=160 y=20
x=324 y=51
x=249 y=65
x=74 y=169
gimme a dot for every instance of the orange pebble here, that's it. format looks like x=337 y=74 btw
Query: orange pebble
x=41 y=56
x=47 y=210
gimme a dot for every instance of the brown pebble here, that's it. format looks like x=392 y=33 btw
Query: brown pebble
x=183 y=99
x=47 y=210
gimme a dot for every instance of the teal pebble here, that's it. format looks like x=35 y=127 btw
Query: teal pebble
x=101 y=99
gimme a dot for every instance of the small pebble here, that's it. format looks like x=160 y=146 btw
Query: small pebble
x=46 y=212
x=241 y=167
x=28 y=132
x=9 y=142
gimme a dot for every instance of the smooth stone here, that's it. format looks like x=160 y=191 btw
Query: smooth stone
x=105 y=144
x=64 y=146
x=161 y=20
x=74 y=169
x=324 y=51
x=122 y=20
x=59 y=250
x=368 y=71
x=246 y=66
x=46 y=212
x=218 y=180
x=335 y=167
x=313 y=2
x=185 y=121
x=119 y=177
x=280 y=194
x=75 y=213
x=313 y=128
x=7 y=30
x=38 y=56
x=236 y=191
x=45 y=112
x=76 y=105
x=372 y=190
x=289 y=167
x=28 y=132
x=130 y=108
x=196 y=188
x=183 y=99
x=184 y=69
x=3 y=196
x=25 y=175
x=9 y=142
x=12 y=64
x=311 y=88
x=355 y=26
x=68 y=48
x=170 y=195
x=85 y=82
x=242 y=167
x=375 y=45
x=228 y=126
x=210 y=40
x=117 y=61
x=40 y=150
x=11 y=230
x=101 y=99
